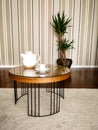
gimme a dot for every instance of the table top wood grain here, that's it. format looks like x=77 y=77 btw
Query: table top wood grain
x=54 y=74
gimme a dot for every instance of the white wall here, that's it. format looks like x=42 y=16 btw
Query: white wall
x=25 y=25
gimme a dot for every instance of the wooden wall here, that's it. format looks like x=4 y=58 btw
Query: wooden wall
x=25 y=25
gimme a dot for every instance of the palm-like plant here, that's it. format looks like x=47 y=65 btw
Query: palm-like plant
x=60 y=25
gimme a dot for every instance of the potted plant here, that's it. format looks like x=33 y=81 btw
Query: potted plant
x=60 y=24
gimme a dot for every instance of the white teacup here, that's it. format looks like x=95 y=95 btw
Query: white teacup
x=41 y=67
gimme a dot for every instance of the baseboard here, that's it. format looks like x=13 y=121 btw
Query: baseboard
x=79 y=66
x=85 y=66
x=8 y=66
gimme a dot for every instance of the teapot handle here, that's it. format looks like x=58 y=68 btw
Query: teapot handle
x=22 y=55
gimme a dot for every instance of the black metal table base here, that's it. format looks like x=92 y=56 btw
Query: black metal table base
x=42 y=99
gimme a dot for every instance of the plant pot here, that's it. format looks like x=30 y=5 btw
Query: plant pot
x=64 y=62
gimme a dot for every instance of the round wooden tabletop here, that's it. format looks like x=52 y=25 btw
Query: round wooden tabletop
x=52 y=74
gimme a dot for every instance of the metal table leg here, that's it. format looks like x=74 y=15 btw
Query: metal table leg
x=34 y=99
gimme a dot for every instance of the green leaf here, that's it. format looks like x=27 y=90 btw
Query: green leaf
x=65 y=45
x=60 y=23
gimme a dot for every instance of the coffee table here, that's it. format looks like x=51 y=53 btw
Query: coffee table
x=43 y=90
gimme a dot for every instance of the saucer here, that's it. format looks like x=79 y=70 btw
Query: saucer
x=42 y=74
x=42 y=71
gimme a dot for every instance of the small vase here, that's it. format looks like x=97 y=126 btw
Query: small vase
x=64 y=62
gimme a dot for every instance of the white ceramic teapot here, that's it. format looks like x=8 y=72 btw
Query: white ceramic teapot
x=29 y=59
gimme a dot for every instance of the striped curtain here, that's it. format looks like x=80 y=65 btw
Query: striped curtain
x=25 y=25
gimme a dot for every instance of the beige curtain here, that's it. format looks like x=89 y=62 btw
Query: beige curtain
x=25 y=25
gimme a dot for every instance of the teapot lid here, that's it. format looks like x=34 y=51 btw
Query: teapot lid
x=28 y=52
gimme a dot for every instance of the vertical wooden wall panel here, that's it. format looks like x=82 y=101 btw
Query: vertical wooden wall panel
x=25 y=25
x=15 y=32
x=52 y=31
x=1 y=37
x=19 y=30
x=42 y=30
x=79 y=31
x=67 y=15
x=55 y=38
x=49 y=31
x=76 y=26
x=21 y=23
x=46 y=55
x=70 y=28
x=29 y=17
x=89 y=32
x=62 y=5
x=94 y=46
x=73 y=17
x=9 y=54
x=4 y=18
x=83 y=6
x=36 y=26
x=85 y=31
